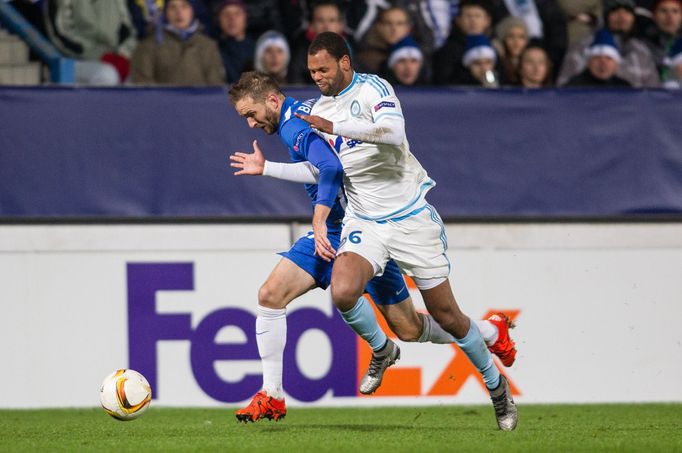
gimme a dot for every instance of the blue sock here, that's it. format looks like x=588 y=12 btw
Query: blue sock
x=474 y=347
x=363 y=321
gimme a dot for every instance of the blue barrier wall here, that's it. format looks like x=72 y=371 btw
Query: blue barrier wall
x=163 y=153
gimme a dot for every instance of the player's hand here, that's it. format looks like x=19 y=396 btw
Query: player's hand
x=318 y=123
x=323 y=247
x=248 y=164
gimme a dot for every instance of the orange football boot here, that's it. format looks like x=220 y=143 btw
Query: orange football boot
x=504 y=347
x=262 y=406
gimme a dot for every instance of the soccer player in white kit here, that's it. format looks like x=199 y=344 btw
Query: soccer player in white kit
x=387 y=216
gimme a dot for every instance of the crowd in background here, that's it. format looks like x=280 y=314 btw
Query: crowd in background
x=490 y=43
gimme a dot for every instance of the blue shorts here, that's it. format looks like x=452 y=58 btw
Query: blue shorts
x=388 y=289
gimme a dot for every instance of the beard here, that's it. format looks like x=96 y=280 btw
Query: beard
x=271 y=123
x=335 y=86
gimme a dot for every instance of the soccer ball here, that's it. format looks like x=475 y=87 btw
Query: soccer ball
x=125 y=394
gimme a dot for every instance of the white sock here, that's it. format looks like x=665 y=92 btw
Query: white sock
x=432 y=331
x=271 y=336
x=488 y=331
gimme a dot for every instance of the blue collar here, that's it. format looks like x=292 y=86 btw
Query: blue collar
x=352 y=82
x=286 y=105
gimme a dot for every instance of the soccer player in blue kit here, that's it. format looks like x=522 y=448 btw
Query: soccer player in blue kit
x=308 y=264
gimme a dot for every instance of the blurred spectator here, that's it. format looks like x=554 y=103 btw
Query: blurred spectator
x=392 y=25
x=582 y=17
x=325 y=16
x=294 y=16
x=98 y=34
x=236 y=47
x=661 y=33
x=264 y=15
x=512 y=38
x=544 y=19
x=273 y=55
x=431 y=19
x=637 y=66
x=479 y=59
x=674 y=62
x=473 y=18
x=602 y=64
x=178 y=53
x=405 y=65
x=146 y=13
x=535 y=68
x=361 y=15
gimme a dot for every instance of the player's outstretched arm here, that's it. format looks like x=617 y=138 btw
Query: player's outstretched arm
x=248 y=164
x=317 y=122
x=256 y=164
x=304 y=172
x=388 y=128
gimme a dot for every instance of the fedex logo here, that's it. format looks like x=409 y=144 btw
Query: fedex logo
x=146 y=328
x=349 y=354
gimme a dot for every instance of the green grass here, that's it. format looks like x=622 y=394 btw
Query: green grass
x=644 y=427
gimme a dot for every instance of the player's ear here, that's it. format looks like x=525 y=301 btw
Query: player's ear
x=272 y=101
x=345 y=63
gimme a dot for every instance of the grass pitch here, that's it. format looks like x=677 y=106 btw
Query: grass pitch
x=642 y=427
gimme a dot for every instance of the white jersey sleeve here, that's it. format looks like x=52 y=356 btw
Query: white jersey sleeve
x=304 y=172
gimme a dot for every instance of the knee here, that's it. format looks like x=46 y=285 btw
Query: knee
x=344 y=295
x=268 y=297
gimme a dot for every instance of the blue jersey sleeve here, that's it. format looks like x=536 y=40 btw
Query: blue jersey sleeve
x=304 y=144
x=331 y=171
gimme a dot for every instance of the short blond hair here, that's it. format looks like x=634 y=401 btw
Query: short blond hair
x=256 y=85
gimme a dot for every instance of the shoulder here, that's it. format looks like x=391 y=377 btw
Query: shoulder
x=203 y=40
x=148 y=44
x=636 y=45
x=373 y=87
x=304 y=107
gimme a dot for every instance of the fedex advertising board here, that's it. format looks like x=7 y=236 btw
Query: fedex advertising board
x=177 y=303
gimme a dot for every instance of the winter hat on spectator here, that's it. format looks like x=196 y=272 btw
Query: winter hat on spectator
x=267 y=39
x=478 y=47
x=226 y=3
x=504 y=27
x=610 y=5
x=405 y=48
x=675 y=54
x=603 y=44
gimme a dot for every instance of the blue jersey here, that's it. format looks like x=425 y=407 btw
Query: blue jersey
x=305 y=145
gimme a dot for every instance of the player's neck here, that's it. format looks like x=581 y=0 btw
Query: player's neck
x=347 y=82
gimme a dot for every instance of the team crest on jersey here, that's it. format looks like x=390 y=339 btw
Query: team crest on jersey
x=355 y=108
x=383 y=104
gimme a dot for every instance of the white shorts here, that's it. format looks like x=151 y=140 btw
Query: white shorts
x=416 y=243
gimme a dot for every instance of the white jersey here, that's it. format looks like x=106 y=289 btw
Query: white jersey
x=382 y=181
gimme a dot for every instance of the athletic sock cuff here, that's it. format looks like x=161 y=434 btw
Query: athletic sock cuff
x=472 y=335
x=270 y=313
x=356 y=311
